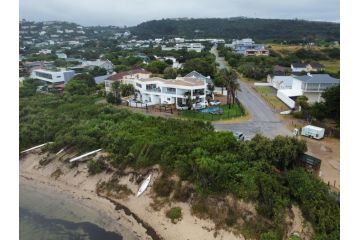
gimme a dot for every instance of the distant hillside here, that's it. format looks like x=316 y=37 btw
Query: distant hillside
x=259 y=29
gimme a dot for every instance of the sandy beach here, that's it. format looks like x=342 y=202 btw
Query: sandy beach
x=131 y=215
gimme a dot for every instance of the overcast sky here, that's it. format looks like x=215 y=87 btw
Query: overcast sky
x=133 y=12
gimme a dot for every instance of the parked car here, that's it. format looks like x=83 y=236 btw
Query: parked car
x=240 y=136
x=215 y=102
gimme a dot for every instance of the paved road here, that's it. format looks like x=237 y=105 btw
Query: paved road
x=263 y=119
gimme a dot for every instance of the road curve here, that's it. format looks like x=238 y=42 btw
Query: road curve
x=263 y=119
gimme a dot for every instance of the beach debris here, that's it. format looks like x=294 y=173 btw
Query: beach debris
x=84 y=155
x=33 y=148
x=144 y=185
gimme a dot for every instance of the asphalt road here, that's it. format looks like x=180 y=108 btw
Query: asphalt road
x=263 y=119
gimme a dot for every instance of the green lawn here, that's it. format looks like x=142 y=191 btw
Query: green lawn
x=275 y=103
x=234 y=111
x=332 y=66
x=263 y=90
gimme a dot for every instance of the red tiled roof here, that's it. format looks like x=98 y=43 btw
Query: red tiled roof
x=119 y=76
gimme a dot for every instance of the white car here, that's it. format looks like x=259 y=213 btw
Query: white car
x=240 y=136
x=215 y=102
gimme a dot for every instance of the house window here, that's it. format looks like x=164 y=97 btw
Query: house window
x=138 y=85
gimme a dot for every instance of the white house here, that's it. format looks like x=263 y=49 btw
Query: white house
x=44 y=51
x=106 y=64
x=153 y=91
x=280 y=82
x=127 y=77
x=311 y=85
x=306 y=67
x=61 y=55
x=198 y=76
x=53 y=76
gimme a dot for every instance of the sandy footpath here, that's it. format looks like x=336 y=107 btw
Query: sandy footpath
x=135 y=217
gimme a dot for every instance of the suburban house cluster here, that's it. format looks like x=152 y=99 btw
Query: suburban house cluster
x=155 y=90
x=248 y=47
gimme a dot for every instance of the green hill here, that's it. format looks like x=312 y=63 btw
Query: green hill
x=258 y=29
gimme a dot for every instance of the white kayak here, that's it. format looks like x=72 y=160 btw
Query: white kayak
x=84 y=155
x=60 y=151
x=144 y=185
x=33 y=148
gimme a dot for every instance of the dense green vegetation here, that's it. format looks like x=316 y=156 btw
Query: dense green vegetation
x=260 y=170
x=81 y=84
x=261 y=29
x=233 y=111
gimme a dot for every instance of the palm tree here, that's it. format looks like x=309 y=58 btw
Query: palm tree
x=230 y=80
x=188 y=97
x=233 y=84
x=225 y=78
x=116 y=91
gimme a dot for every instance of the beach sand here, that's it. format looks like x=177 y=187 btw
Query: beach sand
x=132 y=216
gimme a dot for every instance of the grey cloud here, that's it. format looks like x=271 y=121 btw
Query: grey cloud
x=132 y=12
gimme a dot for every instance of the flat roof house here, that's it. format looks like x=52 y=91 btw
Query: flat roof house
x=171 y=91
x=53 y=76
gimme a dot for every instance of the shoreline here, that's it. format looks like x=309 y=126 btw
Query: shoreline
x=126 y=216
x=89 y=206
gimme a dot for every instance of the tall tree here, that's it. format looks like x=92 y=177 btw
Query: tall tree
x=332 y=102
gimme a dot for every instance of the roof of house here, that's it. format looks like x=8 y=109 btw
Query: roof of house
x=100 y=79
x=299 y=65
x=281 y=68
x=184 y=81
x=316 y=65
x=317 y=78
x=197 y=75
x=97 y=62
x=120 y=75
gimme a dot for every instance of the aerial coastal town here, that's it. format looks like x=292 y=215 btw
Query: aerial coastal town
x=234 y=137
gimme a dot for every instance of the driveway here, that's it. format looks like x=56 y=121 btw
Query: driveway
x=263 y=119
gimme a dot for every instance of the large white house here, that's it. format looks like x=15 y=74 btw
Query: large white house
x=53 y=76
x=311 y=85
x=178 y=91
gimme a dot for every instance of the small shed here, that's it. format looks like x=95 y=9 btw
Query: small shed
x=310 y=163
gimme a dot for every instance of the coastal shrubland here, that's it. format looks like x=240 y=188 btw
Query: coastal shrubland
x=261 y=171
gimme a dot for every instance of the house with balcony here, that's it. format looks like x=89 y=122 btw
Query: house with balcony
x=177 y=91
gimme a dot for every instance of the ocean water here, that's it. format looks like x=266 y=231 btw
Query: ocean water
x=36 y=226
x=52 y=216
